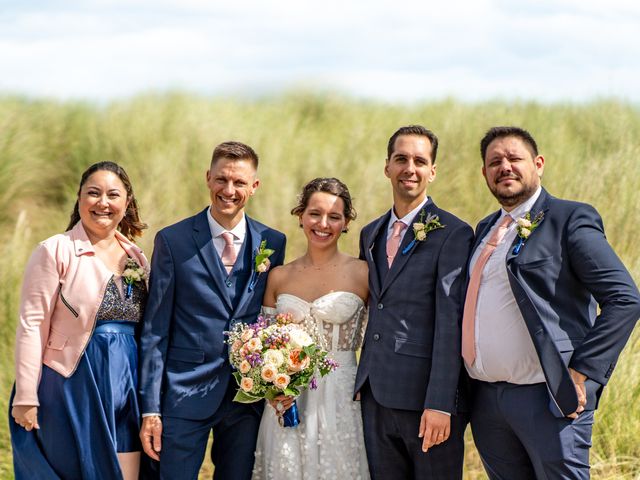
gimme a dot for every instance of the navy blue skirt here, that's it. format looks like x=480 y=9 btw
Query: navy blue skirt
x=86 y=419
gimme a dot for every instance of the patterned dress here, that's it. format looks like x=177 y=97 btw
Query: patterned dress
x=328 y=443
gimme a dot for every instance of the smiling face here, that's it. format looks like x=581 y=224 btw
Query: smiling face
x=102 y=203
x=511 y=171
x=231 y=182
x=323 y=219
x=410 y=169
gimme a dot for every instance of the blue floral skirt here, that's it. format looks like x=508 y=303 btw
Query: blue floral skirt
x=86 y=419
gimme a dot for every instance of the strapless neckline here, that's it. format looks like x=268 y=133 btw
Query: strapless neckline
x=323 y=297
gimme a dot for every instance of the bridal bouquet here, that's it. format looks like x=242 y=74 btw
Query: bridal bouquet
x=274 y=356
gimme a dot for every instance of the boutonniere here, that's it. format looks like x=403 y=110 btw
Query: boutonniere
x=261 y=262
x=421 y=228
x=525 y=227
x=133 y=273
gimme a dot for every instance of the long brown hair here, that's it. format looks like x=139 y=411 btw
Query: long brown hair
x=130 y=226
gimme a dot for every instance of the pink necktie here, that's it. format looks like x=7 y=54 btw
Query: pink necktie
x=394 y=241
x=229 y=252
x=469 y=316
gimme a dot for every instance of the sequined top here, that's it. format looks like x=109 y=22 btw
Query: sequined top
x=115 y=306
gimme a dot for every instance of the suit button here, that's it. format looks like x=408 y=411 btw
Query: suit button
x=228 y=282
x=376 y=337
x=380 y=306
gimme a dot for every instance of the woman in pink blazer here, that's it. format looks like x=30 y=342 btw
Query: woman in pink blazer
x=83 y=295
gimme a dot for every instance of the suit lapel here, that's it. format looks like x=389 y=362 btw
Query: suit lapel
x=209 y=255
x=540 y=205
x=253 y=238
x=401 y=258
x=374 y=275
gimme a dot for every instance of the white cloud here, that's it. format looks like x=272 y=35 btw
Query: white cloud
x=543 y=49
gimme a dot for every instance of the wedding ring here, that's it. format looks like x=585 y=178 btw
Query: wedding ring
x=279 y=407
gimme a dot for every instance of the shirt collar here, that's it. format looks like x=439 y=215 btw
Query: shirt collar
x=239 y=231
x=523 y=208
x=409 y=216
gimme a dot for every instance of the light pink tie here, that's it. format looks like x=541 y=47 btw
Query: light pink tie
x=229 y=254
x=394 y=241
x=469 y=316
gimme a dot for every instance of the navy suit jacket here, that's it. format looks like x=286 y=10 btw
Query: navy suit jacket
x=563 y=271
x=184 y=368
x=411 y=349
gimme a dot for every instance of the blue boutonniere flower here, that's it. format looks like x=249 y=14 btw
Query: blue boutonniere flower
x=421 y=229
x=525 y=227
x=261 y=262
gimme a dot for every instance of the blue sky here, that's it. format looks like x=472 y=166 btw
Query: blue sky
x=388 y=50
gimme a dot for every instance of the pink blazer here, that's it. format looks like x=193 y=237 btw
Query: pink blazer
x=63 y=287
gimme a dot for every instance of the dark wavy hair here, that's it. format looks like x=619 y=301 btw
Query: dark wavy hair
x=130 y=226
x=327 y=185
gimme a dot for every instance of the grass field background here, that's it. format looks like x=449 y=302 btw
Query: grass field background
x=165 y=142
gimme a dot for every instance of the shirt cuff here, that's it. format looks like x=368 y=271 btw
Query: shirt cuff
x=433 y=410
x=151 y=415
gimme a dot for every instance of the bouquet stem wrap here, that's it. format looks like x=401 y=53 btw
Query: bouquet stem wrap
x=291 y=417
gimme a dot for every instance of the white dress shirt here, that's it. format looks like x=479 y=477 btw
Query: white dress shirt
x=504 y=349
x=238 y=232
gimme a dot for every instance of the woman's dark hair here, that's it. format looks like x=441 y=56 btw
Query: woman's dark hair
x=326 y=185
x=130 y=226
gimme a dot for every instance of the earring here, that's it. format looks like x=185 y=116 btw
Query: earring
x=345 y=230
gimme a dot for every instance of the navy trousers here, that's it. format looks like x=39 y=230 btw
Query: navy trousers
x=394 y=450
x=518 y=437
x=235 y=431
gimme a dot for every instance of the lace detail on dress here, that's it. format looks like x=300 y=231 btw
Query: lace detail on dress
x=336 y=318
x=328 y=444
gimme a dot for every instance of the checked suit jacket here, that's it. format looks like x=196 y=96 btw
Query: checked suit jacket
x=564 y=270
x=411 y=350
x=185 y=368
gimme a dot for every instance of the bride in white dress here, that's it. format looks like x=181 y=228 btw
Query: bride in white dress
x=327 y=291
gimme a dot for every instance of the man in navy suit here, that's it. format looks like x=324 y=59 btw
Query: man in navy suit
x=204 y=278
x=410 y=362
x=538 y=351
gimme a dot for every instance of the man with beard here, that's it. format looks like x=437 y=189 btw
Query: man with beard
x=538 y=351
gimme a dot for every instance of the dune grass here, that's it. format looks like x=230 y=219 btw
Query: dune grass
x=165 y=143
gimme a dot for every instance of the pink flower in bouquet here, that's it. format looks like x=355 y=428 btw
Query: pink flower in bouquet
x=268 y=373
x=244 y=367
x=295 y=363
x=236 y=346
x=246 y=384
x=246 y=335
x=282 y=380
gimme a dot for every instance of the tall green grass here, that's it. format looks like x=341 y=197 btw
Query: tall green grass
x=165 y=142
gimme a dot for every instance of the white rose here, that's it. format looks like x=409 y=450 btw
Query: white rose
x=268 y=373
x=128 y=273
x=420 y=235
x=523 y=222
x=244 y=367
x=264 y=266
x=525 y=232
x=254 y=344
x=274 y=357
x=246 y=384
x=418 y=226
x=136 y=277
x=282 y=380
x=299 y=338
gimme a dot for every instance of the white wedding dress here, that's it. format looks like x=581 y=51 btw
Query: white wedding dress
x=328 y=443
